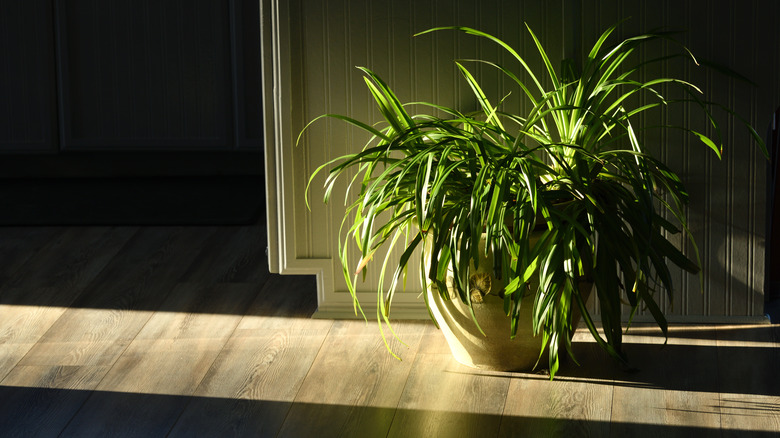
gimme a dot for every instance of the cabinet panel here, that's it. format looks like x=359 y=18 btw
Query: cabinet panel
x=249 y=87
x=146 y=74
x=27 y=96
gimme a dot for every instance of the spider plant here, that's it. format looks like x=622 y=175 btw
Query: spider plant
x=572 y=170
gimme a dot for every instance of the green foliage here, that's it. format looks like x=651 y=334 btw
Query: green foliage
x=572 y=167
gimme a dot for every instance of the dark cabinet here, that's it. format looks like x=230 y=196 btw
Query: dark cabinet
x=129 y=75
x=28 y=112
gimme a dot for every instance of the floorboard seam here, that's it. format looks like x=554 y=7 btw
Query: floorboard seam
x=106 y=373
x=719 y=380
x=211 y=366
x=292 y=403
x=406 y=382
x=259 y=289
x=74 y=297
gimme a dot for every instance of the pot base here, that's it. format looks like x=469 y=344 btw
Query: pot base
x=494 y=350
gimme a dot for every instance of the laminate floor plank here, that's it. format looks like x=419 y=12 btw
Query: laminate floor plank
x=749 y=399
x=103 y=320
x=146 y=369
x=53 y=278
x=283 y=302
x=21 y=327
x=231 y=255
x=150 y=265
x=204 y=312
x=169 y=356
x=252 y=384
x=21 y=243
x=68 y=262
x=181 y=331
x=39 y=401
x=445 y=398
x=354 y=385
x=565 y=407
x=671 y=389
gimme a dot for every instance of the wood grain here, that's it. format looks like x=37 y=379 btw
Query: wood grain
x=169 y=342
x=562 y=408
x=749 y=401
x=252 y=384
x=231 y=255
x=42 y=400
x=68 y=262
x=49 y=280
x=444 y=398
x=283 y=302
x=354 y=384
x=20 y=329
x=19 y=244
x=103 y=320
x=169 y=367
x=170 y=331
x=683 y=399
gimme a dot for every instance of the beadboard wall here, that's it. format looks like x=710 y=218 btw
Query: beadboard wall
x=311 y=48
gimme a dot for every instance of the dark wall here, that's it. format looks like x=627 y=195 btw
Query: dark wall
x=132 y=87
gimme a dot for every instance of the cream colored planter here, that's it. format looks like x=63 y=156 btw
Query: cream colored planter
x=495 y=350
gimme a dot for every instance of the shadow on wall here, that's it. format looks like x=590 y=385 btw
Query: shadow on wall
x=772 y=308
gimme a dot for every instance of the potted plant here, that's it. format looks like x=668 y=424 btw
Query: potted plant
x=530 y=209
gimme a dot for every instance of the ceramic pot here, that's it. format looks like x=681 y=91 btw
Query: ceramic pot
x=495 y=350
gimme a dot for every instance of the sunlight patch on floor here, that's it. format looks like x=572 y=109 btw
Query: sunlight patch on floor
x=266 y=358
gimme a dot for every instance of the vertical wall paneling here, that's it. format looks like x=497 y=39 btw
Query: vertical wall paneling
x=727 y=207
x=326 y=41
x=27 y=79
x=317 y=43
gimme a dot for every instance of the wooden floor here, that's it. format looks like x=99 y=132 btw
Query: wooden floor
x=181 y=331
